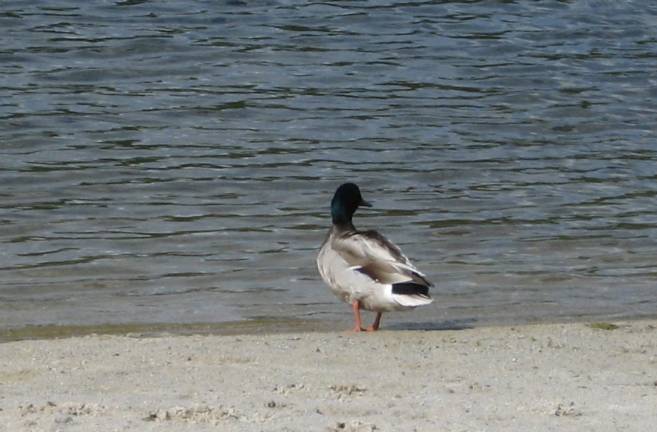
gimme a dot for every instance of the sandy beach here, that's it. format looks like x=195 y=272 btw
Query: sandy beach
x=556 y=377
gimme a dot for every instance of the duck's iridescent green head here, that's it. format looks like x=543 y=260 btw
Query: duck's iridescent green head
x=346 y=200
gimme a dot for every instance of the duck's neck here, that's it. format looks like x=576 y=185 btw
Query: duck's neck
x=343 y=227
x=340 y=213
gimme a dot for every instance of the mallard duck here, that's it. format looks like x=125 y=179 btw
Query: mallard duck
x=365 y=269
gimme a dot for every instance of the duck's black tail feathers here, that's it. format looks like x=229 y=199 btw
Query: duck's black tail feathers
x=410 y=288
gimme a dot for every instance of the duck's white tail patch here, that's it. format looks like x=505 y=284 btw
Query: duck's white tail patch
x=413 y=300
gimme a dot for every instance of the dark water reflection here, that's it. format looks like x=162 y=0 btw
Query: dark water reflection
x=173 y=161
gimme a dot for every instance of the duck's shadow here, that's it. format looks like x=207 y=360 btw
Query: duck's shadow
x=458 y=324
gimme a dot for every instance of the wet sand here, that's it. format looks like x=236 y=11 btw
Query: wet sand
x=554 y=377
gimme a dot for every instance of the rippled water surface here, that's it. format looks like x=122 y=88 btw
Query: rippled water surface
x=173 y=161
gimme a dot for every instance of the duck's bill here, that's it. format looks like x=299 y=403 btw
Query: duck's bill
x=365 y=203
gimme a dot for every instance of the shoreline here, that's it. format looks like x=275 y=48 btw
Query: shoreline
x=563 y=377
x=243 y=327
x=271 y=326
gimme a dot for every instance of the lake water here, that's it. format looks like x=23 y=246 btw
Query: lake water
x=173 y=162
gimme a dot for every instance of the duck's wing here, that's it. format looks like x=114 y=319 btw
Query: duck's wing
x=370 y=253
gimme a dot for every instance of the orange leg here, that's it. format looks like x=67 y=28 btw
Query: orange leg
x=358 y=326
x=376 y=323
x=355 y=306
